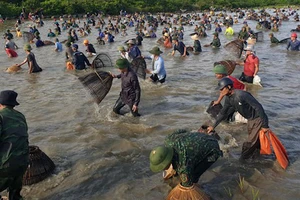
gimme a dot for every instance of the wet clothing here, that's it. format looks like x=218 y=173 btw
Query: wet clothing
x=79 y=60
x=58 y=46
x=243 y=35
x=90 y=48
x=216 y=42
x=274 y=40
x=194 y=153
x=236 y=83
x=69 y=53
x=134 y=52
x=229 y=31
x=39 y=43
x=51 y=34
x=168 y=42
x=36 y=67
x=295 y=46
x=11 y=52
x=197 y=46
x=11 y=45
x=139 y=40
x=158 y=67
x=131 y=92
x=249 y=68
x=244 y=103
x=14 y=151
x=180 y=47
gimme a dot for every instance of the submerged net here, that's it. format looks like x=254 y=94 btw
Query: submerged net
x=27 y=36
x=102 y=60
x=229 y=64
x=284 y=40
x=236 y=47
x=139 y=67
x=259 y=36
x=40 y=166
x=98 y=83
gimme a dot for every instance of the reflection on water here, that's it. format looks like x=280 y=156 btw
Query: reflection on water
x=100 y=155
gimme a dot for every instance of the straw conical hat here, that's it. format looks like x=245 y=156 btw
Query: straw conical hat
x=187 y=193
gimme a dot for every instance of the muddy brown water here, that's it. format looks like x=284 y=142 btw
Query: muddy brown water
x=99 y=155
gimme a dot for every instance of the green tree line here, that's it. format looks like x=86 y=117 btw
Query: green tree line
x=13 y=8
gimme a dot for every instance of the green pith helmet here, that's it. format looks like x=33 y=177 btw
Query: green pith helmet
x=220 y=69
x=121 y=48
x=155 y=51
x=160 y=157
x=122 y=63
x=27 y=47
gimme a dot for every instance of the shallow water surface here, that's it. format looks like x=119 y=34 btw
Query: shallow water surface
x=99 y=155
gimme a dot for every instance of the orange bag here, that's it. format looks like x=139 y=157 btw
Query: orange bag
x=70 y=66
x=268 y=139
x=279 y=151
x=265 y=146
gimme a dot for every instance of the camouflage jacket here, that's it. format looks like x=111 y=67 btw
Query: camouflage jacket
x=191 y=149
x=14 y=149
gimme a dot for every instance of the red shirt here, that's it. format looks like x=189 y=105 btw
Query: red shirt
x=11 y=52
x=249 y=66
x=236 y=83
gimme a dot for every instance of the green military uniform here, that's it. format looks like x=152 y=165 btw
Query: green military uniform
x=274 y=40
x=194 y=153
x=216 y=42
x=243 y=35
x=14 y=151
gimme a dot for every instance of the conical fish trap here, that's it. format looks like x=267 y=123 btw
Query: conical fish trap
x=139 y=67
x=40 y=166
x=102 y=60
x=98 y=83
x=228 y=64
x=187 y=193
x=27 y=36
x=236 y=47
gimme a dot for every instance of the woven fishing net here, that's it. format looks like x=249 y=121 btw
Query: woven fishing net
x=98 y=83
x=139 y=67
x=229 y=64
x=27 y=36
x=259 y=36
x=40 y=166
x=102 y=60
x=235 y=47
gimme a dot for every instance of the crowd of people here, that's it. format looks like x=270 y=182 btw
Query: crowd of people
x=190 y=154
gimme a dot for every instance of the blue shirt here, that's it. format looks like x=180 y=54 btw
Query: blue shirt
x=295 y=46
x=158 y=67
x=58 y=46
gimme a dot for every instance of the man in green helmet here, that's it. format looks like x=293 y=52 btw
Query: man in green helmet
x=14 y=149
x=190 y=154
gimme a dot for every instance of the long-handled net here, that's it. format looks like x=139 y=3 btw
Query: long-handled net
x=101 y=60
x=27 y=36
x=98 y=83
x=235 y=47
x=139 y=67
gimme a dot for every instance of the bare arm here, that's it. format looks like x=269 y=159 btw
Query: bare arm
x=22 y=63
